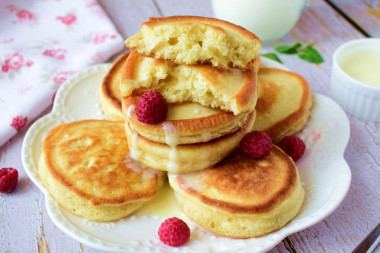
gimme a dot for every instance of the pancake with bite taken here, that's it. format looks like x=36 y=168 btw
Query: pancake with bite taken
x=230 y=90
x=196 y=40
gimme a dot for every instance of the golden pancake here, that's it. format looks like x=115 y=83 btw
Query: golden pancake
x=191 y=122
x=194 y=40
x=110 y=97
x=86 y=167
x=241 y=197
x=283 y=104
x=231 y=90
x=184 y=158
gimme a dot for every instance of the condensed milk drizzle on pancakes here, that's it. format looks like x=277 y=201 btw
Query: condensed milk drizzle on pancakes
x=135 y=152
x=192 y=180
x=140 y=168
x=171 y=139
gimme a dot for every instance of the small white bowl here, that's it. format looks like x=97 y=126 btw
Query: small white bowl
x=359 y=99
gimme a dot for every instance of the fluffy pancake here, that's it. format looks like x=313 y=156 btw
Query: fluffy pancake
x=191 y=122
x=110 y=97
x=184 y=158
x=241 y=197
x=283 y=104
x=231 y=90
x=86 y=167
x=194 y=40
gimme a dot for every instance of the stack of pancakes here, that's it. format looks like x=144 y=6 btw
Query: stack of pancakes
x=195 y=64
x=208 y=72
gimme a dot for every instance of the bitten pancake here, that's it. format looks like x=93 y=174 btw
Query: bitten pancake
x=110 y=97
x=194 y=40
x=184 y=158
x=283 y=104
x=231 y=90
x=191 y=122
x=86 y=167
x=241 y=197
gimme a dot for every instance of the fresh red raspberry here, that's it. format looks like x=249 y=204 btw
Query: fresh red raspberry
x=151 y=107
x=256 y=144
x=8 y=179
x=174 y=232
x=293 y=146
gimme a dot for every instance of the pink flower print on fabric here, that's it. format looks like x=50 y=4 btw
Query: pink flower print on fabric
x=91 y=3
x=97 y=57
x=69 y=19
x=5 y=68
x=99 y=37
x=29 y=63
x=11 y=8
x=25 y=16
x=19 y=122
x=13 y=62
x=8 y=41
x=59 y=54
x=60 y=77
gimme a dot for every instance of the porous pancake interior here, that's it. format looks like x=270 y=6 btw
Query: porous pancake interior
x=90 y=158
x=192 y=41
x=230 y=90
x=284 y=100
x=241 y=185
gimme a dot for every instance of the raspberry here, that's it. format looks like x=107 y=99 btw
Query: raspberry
x=8 y=179
x=293 y=146
x=174 y=232
x=256 y=144
x=151 y=107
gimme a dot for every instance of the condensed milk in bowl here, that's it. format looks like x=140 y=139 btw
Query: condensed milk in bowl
x=355 y=78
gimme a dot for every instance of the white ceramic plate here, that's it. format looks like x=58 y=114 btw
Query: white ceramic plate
x=324 y=173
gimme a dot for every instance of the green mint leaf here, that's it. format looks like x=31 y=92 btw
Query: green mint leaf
x=288 y=49
x=310 y=54
x=272 y=56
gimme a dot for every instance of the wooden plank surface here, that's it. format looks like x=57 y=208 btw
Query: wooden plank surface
x=365 y=13
x=26 y=227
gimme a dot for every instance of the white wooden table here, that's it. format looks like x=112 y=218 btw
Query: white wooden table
x=26 y=227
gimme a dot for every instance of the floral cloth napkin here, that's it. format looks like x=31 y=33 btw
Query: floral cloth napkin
x=42 y=43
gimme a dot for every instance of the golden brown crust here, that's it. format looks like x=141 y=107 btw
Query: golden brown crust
x=249 y=91
x=118 y=180
x=129 y=66
x=212 y=142
x=110 y=96
x=241 y=176
x=264 y=104
x=153 y=21
x=203 y=124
